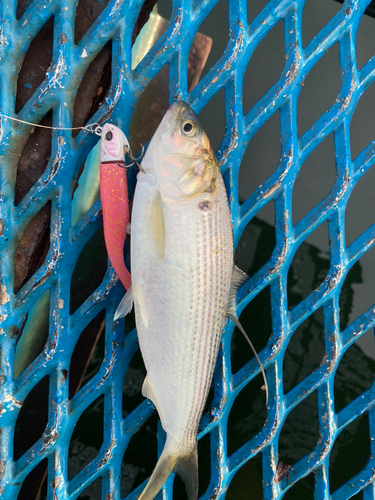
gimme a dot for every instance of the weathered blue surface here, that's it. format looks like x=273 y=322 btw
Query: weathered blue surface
x=57 y=92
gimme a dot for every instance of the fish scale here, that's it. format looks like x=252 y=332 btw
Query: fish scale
x=187 y=307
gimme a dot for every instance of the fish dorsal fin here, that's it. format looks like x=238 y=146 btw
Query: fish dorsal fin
x=148 y=391
x=157 y=228
x=238 y=279
x=239 y=326
x=125 y=305
x=139 y=298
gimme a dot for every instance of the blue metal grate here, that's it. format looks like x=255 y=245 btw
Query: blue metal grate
x=57 y=93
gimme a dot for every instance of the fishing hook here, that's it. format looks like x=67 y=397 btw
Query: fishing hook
x=135 y=159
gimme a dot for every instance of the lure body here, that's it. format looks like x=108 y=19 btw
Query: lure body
x=114 y=196
x=182 y=262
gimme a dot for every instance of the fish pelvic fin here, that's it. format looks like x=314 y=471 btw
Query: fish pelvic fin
x=125 y=305
x=171 y=461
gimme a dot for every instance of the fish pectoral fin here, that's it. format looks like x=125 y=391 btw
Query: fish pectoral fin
x=148 y=391
x=236 y=321
x=187 y=469
x=157 y=229
x=125 y=305
x=238 y=279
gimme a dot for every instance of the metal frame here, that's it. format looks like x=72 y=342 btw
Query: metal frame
x=57 y=92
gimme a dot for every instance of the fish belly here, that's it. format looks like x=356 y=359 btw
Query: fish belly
x=180 y=299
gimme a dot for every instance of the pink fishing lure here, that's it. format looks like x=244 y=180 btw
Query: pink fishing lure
x=114 y=196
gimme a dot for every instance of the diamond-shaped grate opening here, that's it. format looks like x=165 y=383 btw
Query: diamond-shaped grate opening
x=40 y=169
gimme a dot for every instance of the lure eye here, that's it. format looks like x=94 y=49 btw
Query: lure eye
x=189 y=128
x=108 y=136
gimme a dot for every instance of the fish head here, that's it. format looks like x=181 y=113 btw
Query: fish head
x=113 y=144
x=180 y=154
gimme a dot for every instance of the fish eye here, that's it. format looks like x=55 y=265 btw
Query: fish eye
x=189 y=128
x=108 y=136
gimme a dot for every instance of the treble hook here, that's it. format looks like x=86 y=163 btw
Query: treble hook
x=135 y=159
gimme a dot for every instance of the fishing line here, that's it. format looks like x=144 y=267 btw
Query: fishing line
x=94 y=128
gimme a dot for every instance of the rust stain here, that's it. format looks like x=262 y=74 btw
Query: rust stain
x=215 y=493
x=49 y=440
x=13 y=403
x=272 y=189
x=108 y=454
x=55 y=483
x=4 y=297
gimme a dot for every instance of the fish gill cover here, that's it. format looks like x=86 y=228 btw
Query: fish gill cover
x=81 y=71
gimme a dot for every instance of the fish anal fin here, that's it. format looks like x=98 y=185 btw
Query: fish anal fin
x=187 y=469
x=148 y=391
x=125 y=305
x=157 y=229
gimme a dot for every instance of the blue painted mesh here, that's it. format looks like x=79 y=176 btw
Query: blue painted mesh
x=57 y=93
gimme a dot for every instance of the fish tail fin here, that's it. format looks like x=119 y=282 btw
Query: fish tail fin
x=171 y=461
x=187 y=469
x=163 y=468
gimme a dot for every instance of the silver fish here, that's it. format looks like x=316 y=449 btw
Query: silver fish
x=182 y=266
